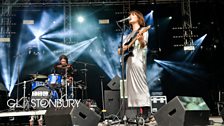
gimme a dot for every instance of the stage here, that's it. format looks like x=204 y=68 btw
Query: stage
x=214 y=120
x=183 y=57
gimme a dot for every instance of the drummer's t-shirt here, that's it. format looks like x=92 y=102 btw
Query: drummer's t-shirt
x=59 y=69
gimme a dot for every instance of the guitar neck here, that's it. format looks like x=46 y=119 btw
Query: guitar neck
x=132 y=42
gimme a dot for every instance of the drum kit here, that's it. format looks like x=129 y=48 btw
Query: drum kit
x=54 y=86
x=44 y=89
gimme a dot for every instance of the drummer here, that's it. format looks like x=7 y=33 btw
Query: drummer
x=66 y=70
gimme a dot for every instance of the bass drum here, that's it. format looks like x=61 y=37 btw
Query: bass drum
x=42 y=96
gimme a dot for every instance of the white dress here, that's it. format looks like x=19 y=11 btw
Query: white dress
x=137 y=87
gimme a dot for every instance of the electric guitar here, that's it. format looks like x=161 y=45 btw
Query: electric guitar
x=129 y=51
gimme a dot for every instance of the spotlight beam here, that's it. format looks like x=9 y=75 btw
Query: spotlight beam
x=18 y=65
x=168 y=69
x=56 y=44
x=153 y=75
x=197 y=44
x=59 y=34
x=102 y=56
x=54 y=26
x=76 y=50
x=45 y=47
x=177 y=69
x=149 y=18
x=4 y=64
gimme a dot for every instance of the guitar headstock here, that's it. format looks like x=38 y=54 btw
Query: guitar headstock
x=148 y=27
x=145 y=29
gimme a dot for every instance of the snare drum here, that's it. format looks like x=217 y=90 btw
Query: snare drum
x=54 y=80
x=36 y=84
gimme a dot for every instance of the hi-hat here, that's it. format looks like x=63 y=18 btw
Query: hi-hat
x=38 y=76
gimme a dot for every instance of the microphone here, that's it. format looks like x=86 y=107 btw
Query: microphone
x=125 y=19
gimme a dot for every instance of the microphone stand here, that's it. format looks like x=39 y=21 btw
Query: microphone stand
x=125 y=118
x=85 y=70
x=102 y=97
x=84 y=90
x=66 y=84
x=72 y=83
x=85 y=78
x=122 y=72
x=78 y=85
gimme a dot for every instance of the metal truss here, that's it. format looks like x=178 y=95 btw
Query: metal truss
x=187 y=24
x=126 y=9
x=5 y=21
x=67 y=20
x=19 y=3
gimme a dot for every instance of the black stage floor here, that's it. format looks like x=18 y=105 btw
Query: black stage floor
x=21 y=118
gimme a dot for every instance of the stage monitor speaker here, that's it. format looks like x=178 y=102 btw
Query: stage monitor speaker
x=222 y=113
x=3 y=88
x=71 y=116
x=112 y=102
x=114 y=84
x=183 y=111
x=3 y=97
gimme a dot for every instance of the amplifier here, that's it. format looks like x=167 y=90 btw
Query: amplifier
x=157 y=103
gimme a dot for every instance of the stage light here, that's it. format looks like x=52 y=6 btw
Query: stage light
x=80 y=19
x=197 y=43
x=5 y=39
x=36 y=31
x=29 y=22
x=189 y=52
x=170 y=17
x=38 y=36
x=189 y=48
x=149 y=18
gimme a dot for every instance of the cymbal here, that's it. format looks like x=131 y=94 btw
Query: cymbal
x=84 y=70
x=39 y=76
x=80 y=62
